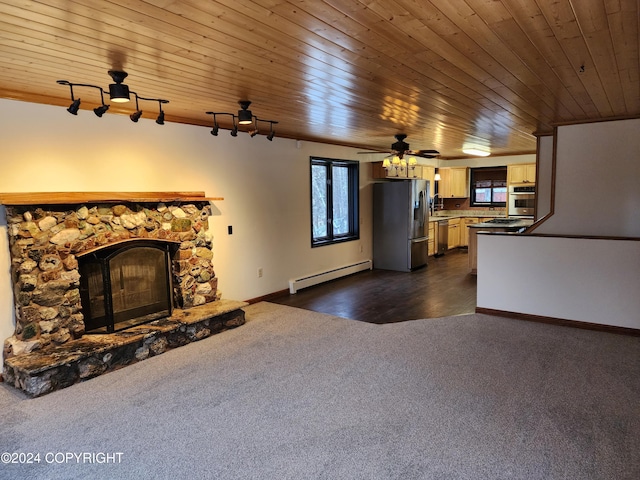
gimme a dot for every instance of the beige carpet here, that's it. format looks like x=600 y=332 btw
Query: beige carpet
x=295 y=394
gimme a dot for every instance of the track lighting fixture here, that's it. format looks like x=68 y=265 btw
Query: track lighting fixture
x=102 y=109
x=135 y=116
x=216 y=126
x=118 y=93
x=160 y=119
x=73 y=108
x=234 y=130
x=244 y=117
x=255 y=131
x=214 y=130
x=272 y=133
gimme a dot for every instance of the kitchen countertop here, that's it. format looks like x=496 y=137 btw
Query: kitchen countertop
x=517 y=226
x=486 y=223
x=436 y=218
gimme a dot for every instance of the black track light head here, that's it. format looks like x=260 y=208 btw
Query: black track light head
x=234 y=129
x=214 y=130
x=101 y=110
x=74 y=107
x=160 y=119
x=271 y=132
x=135 y=116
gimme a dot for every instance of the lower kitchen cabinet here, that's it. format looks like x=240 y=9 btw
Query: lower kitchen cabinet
x=433 y=238
x=454 y=233
x=464 y=230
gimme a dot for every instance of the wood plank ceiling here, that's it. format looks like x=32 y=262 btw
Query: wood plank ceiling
x=349 y=72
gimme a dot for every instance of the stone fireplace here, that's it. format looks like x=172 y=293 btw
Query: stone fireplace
x=97 y=274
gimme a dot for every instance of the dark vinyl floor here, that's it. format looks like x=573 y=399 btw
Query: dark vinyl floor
x=441 y=289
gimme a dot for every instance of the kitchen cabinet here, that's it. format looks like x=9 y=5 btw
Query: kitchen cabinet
x=454 y=182
x=521 y=173
x=429 y=173
x=464 y=230
x=415 y=171
x=454 y=233
x=433 y=236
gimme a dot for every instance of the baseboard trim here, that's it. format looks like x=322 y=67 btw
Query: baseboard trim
x=269 y=296
x=560 y=322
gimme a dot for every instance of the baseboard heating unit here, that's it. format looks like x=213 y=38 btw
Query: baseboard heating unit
x=315 y=279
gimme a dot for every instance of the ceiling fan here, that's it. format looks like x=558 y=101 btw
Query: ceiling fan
x=401 y=148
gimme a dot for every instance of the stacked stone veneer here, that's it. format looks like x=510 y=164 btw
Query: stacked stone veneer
x=45 y=241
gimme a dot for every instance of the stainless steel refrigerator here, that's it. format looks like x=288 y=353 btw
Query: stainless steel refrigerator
x=400 y=224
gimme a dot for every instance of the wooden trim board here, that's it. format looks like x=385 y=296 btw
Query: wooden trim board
x=57 y=198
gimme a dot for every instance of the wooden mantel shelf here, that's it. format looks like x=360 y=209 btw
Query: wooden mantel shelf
x=64 y=198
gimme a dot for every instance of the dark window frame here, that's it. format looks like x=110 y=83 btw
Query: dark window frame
x=496 y=182
x=353 y=172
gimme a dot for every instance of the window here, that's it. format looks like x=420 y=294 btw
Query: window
x=489 y=187
x=334 y=201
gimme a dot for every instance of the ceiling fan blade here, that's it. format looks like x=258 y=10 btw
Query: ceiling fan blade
x=428 y=152
x=386 y=153
x=424 y=155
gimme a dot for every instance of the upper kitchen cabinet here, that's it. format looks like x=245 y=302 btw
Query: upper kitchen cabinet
x=429 y=173
x=454 y=182
x=521 y=173
x=415 y=171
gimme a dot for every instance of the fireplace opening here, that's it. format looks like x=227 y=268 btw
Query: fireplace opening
x=125 y=285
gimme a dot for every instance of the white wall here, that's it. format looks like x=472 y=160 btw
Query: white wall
x=586 y=280
x=545 y=176
x=596 y=194
x=597 y=188
x=265 y=186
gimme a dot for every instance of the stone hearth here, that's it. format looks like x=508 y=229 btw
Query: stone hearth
x=56 y=367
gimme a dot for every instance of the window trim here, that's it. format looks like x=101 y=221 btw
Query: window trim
x=353 y=169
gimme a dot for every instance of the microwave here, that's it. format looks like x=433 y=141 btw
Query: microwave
x=522 y=200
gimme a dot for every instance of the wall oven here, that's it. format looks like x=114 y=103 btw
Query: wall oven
x=522 y=201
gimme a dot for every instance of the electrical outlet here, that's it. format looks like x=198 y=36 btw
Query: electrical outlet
x=260 y=272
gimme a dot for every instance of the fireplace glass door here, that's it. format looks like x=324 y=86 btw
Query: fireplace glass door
x=125 y=287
